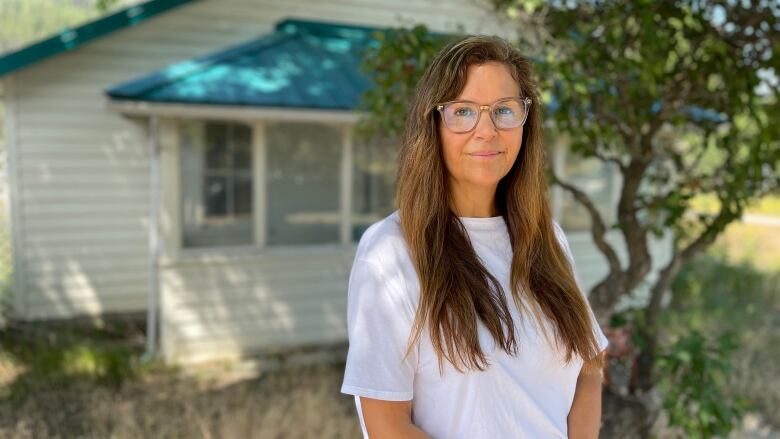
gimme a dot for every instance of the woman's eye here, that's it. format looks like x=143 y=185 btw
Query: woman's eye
x=463 y=111
x=505 y=111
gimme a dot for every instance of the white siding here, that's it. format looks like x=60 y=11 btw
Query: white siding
x=226 y=306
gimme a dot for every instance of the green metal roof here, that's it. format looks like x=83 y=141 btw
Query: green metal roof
x=72 y=38
x=302 y=64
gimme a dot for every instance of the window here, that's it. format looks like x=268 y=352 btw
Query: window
x=216 y=184
x=303 y=183
x=373 y=188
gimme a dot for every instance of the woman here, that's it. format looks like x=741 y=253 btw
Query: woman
x=464 y=316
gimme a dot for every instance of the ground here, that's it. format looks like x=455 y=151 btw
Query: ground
x=296 y=402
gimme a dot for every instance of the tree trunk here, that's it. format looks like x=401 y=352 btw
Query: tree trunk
x=648 y=332
x=626 y=416
x=646 y=362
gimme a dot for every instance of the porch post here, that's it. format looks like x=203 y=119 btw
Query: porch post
x=345 y=200
x=154 y=230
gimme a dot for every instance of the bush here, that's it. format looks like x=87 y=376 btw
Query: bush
x=723 y=326
x=694 y=383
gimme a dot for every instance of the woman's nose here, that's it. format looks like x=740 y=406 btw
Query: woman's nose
x=485 y=128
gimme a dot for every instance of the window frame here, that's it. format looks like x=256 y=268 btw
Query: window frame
x=171 y=196
x=229 y=172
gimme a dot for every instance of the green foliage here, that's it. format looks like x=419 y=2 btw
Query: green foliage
x=395 y=65
x=718 y=376
x=720 y=344
x=24 y=21
x=109 y=364
x=56 y=355
x=694 y=380
x=712 y=294
x=104 y=5
x=513 y=8
x=674 y=88
x=677 y=89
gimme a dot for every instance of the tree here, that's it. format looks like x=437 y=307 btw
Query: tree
x=395 y=65
x=104 y=6
x=679 y=96
x=25 y=21
x=626 y=75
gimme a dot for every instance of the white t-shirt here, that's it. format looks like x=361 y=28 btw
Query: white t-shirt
x=527 y=396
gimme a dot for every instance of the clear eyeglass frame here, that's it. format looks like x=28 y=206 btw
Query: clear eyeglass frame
x=525 y=101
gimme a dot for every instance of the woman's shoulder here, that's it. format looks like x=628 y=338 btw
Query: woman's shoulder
x=383 y=243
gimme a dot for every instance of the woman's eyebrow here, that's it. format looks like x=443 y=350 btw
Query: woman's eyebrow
x=486 y=103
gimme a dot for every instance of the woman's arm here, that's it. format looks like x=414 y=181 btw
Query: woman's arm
x=584 y=419
x=389 y=419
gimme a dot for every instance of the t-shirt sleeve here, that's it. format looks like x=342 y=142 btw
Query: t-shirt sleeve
x=379 y=321
x=602 y=339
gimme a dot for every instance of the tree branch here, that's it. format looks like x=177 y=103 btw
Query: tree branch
x=609 y=159
x=598 y=229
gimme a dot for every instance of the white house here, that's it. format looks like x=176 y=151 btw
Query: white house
x=196 y=160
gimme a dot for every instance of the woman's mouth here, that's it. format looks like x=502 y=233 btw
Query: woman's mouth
x=484 y=154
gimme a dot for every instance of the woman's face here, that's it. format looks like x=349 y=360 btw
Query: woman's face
x=480 y=158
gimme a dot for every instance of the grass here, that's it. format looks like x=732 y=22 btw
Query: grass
x=295 y=403
x=769 y=205
x=54 y=354
x=71 y=388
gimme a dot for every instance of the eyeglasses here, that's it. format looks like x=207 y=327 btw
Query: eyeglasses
x=463 y=116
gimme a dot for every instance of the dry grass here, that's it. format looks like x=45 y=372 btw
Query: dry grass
x=75 y=379
x=298 y=402
x=752 y=244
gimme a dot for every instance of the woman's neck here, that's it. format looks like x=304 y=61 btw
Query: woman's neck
x=474 y=202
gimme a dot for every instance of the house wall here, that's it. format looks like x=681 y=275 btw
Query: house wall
x=83 y=172
x=226 y=306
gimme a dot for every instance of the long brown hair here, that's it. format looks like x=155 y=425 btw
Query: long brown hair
x=455 y=288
